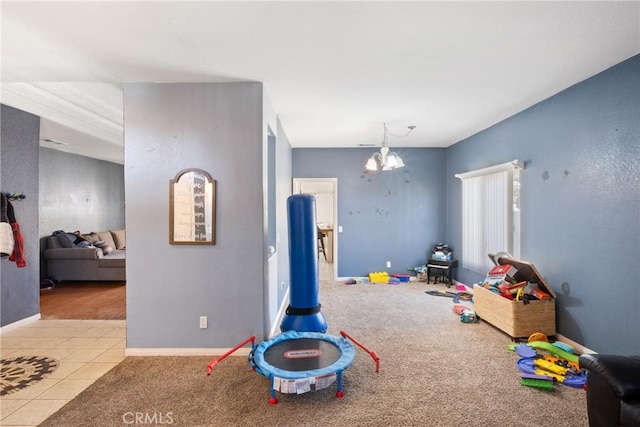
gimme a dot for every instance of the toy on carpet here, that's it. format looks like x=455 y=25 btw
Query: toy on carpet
x=524 y=350
x=531 y=365
x=457 y=296
x=537 y=336
x=543 y=382
x=379 y=277
x=555 y=362
x=303 y=357
x=467 y=315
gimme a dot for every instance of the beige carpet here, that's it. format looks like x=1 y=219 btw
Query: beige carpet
x=434 y=371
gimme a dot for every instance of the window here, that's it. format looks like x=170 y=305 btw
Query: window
x=490 y=214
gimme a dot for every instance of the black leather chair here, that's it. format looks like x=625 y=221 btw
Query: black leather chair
x=613 y=389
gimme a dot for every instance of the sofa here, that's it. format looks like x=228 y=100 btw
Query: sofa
x=95 y=256
x=613 y=389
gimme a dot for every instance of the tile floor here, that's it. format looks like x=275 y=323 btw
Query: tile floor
x=85 y=350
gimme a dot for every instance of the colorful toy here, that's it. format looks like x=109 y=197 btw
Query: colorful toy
x=562 y=362
x=563 y=346
x=528 y=365
x=554 y=350
x=543 y=382
x=379 y=277
x=467 y=315
x=457 y=296
x=537 y=336
x=524 y=350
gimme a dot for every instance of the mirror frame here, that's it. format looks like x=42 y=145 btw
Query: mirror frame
x=173 y=208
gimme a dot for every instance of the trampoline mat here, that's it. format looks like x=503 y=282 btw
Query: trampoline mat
x=302 y=354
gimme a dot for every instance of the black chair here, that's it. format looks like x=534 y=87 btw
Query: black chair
x=613 y=389
x=321 y=249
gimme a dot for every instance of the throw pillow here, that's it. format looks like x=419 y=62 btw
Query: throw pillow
x=119 y=238
x=92 y=237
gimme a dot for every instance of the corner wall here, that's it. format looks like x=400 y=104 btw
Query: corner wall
x=580 y=201
x=216 y=127
x=19 y=143
x=392 y=216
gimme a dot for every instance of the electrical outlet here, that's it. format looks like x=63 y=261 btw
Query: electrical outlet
x=388 y=264
x=203 y=322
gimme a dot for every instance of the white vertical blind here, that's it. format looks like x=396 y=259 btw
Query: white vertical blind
x=472 y=241
x=487 y=215
x=497 y=215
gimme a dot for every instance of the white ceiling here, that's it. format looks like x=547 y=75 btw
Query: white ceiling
x=335 y=71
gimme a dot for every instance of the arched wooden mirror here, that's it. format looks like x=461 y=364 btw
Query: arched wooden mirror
x=192 y=208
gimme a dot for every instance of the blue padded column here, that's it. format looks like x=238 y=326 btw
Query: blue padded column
x=303 y=313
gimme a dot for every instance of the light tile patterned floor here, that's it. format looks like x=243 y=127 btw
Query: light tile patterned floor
x=85 y=350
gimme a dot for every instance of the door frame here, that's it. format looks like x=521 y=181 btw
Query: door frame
x=297 y=183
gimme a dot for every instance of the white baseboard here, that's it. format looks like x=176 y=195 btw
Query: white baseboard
x=283 y=308
x=19 y=323
x=184 y=351
x=579 y=348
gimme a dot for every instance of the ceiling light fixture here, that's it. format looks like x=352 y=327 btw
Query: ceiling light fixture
x=388 y=160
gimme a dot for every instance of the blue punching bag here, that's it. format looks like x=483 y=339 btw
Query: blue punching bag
x=303 y=313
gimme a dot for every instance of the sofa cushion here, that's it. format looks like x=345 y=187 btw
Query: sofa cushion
x=72 y=254
x=119 y=238
x=115 y=260
x=92 y=237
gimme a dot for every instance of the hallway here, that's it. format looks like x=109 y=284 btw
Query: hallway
x=325 y=270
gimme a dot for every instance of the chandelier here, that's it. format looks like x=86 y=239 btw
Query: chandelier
x=387 y=159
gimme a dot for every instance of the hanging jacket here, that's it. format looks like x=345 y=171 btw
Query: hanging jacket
x=18 y=246
x=6 y=233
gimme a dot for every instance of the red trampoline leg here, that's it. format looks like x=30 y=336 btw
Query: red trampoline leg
x=372 y=353
x=339 y=393
x=272 y=399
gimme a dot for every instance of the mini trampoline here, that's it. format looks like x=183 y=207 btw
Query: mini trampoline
x=295 y=355
x=302 y=357
x=295 y=361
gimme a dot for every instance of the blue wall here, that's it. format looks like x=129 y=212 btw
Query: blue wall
x=79 y=193
x=580 y=201
x=220 y=128
x=20 y=287
x=392 y=216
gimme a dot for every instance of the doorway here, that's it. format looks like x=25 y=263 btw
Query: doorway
x=325 y=191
